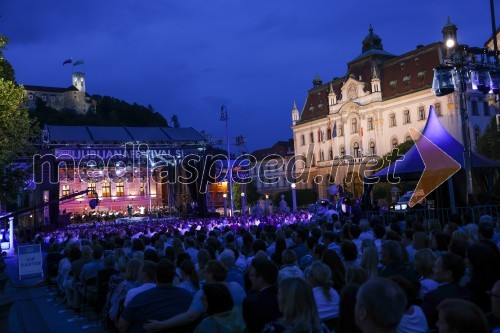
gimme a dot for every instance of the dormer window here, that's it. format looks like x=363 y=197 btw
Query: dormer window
x=393 y=84
x=320 y=105
x=406 y=81
x=421 y=76
x=311 y=108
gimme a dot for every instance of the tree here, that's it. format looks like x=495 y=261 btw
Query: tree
x=174 y=121
x=487 y=143
x=16 y=131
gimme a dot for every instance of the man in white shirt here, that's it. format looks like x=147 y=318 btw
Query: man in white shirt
x=148 y=281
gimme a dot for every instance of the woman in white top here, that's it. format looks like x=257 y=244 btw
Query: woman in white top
x=424 y=263
x=327 y=299
x=413 y=320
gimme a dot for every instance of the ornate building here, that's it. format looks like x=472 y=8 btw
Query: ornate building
x=272 y=167
x=370 y=109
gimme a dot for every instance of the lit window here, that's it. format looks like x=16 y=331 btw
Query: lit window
x=92 y=190
x=120 y=191
x=106 y=188
x=65 y=190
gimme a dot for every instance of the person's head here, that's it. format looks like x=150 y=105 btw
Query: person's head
x=227 y=258
x=485 y=227
x=347 y=303
x=420 y=240
x=148 y=271
x=355 y=275
x=424 y=262
x=217 y=298
x=349 y=250
x=263 y=273
x=319 y=275
x=165 y=271
x=331 y=259
x=152 y=255
x=391 y=253
x=86 y=252
x=380 y=305
x=370 y=261
x=188 y=271
x=460 y=316
x=109 y=262
x=448 y=267
x=133 y=270
x=289 y=257
x=495 y=300
x=215 y=272
x=484 y=262
x=407 y=287
x=296 y=302
x=97 y=251
x=203 y=257
x=440 y=241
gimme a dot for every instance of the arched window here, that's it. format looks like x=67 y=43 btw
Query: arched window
x=302 y=140
x=421 y=113
x=330 y=154
x=392 y=119
x=328 y=133
x=370 y=123
x=486 y=107
x=321 y=156
x=311 y=137
x=394 y=143
x=373 y=151
x=354 y=125
x=341 y=130
x=437 y=108
x=406 y=116
x=342 y=151
x=408 y=138
x=356 y=149
x=476 y=134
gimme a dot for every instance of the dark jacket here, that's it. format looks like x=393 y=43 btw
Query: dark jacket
x=261 y=308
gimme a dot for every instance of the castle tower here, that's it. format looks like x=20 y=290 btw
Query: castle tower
x=79 y=81
x=295 y=114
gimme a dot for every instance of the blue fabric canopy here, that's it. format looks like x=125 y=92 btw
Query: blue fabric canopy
x=411 y=165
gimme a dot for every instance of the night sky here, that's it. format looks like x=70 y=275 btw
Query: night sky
x=188 y=57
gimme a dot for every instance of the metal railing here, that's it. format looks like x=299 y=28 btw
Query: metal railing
x=473 y=213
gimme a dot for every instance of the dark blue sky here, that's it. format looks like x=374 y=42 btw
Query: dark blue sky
x=188 y=57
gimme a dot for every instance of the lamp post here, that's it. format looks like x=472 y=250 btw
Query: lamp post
x=294 y=197
x=224 y=117
x=225 y=204
x=462 y=67
x=242 y=203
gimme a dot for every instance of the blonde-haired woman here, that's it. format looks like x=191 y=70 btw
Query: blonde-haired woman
x=327 y=299
x=424 y=263
x=300 y=313
x=370 y=262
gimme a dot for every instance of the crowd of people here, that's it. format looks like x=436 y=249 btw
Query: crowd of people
x=283 y=273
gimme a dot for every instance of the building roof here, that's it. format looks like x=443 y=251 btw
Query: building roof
x=281 y=148
x=121 y=134
x=49 y=89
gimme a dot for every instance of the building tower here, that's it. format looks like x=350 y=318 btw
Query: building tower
x=79 y=81
x=450 y=34
x=295 y=114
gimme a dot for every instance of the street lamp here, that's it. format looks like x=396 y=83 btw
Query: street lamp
x=462 y=67
x=294 y=197
x=225 y=204
x=242 y=203
x=224 y=117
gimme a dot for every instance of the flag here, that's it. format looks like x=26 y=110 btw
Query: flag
x=68 y=61
x=361 y=131
x=78 y=62
x=334 y=132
